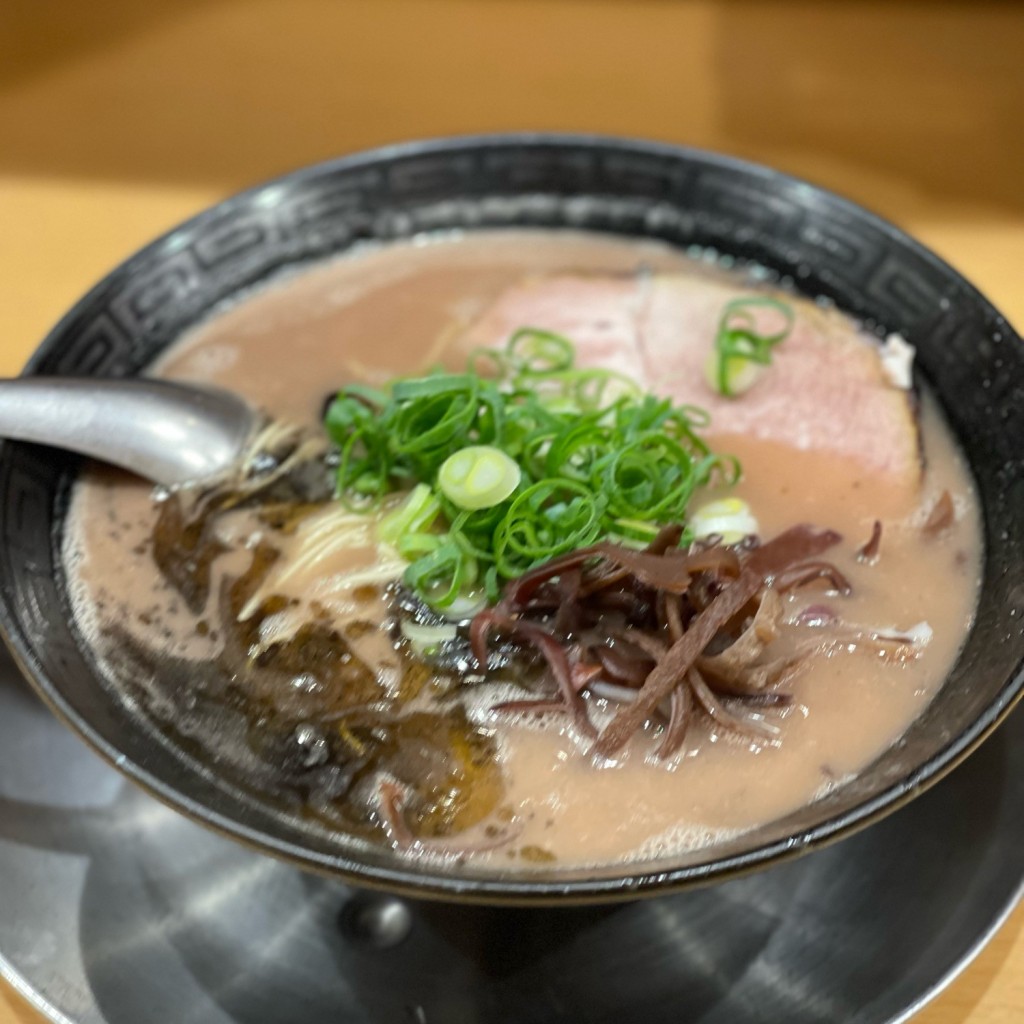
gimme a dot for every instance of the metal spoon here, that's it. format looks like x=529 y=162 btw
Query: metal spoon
x=166 y=432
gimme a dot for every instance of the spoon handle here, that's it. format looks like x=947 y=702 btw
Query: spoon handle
x=169 y=433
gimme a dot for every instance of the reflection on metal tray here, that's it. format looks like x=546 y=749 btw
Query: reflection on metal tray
x=116 y=910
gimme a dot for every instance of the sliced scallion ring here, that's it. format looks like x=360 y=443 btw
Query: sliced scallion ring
x=728 y=518
x=476 y=477
x=423 y=637
x=479 y=476
x=415 y=515
x=744 y=342
x=731 y=375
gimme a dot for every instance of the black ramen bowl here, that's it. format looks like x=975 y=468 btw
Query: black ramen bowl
x=825 y=245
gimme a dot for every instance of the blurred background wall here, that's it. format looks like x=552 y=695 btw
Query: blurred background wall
x=118 y=118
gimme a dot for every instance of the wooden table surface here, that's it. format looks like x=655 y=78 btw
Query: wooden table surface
x=119 y=119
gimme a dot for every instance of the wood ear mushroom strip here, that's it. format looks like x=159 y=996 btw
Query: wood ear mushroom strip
x=764 y=563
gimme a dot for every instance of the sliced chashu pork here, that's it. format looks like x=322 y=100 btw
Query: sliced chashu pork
x=827 y=389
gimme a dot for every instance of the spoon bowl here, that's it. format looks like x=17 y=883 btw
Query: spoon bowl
x=167 y=432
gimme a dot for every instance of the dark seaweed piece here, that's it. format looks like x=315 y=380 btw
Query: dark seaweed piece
x=184 y=549
x=283 y=486
x=446 y=766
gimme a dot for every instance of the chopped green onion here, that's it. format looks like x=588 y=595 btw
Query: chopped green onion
x=523 y=457
x=434 y=385
x=742 y=347
x=474 y=530
x=467 y=604
x=436 y=421
x=634 y=531
x=413 y=545
x=442 y=575
x=728 y=518
x=731 y=376
x=477 y=477
x=547 y=519
x=492 y=589
x=425 y=637
x=649 y=478
x=531 y=350
x=415 y=515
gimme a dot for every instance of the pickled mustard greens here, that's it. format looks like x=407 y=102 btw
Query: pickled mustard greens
x=521 y=458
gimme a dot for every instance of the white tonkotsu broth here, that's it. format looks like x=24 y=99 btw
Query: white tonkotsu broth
x=401 y=309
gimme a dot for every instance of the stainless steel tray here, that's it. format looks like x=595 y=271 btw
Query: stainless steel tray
x=117 y=910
